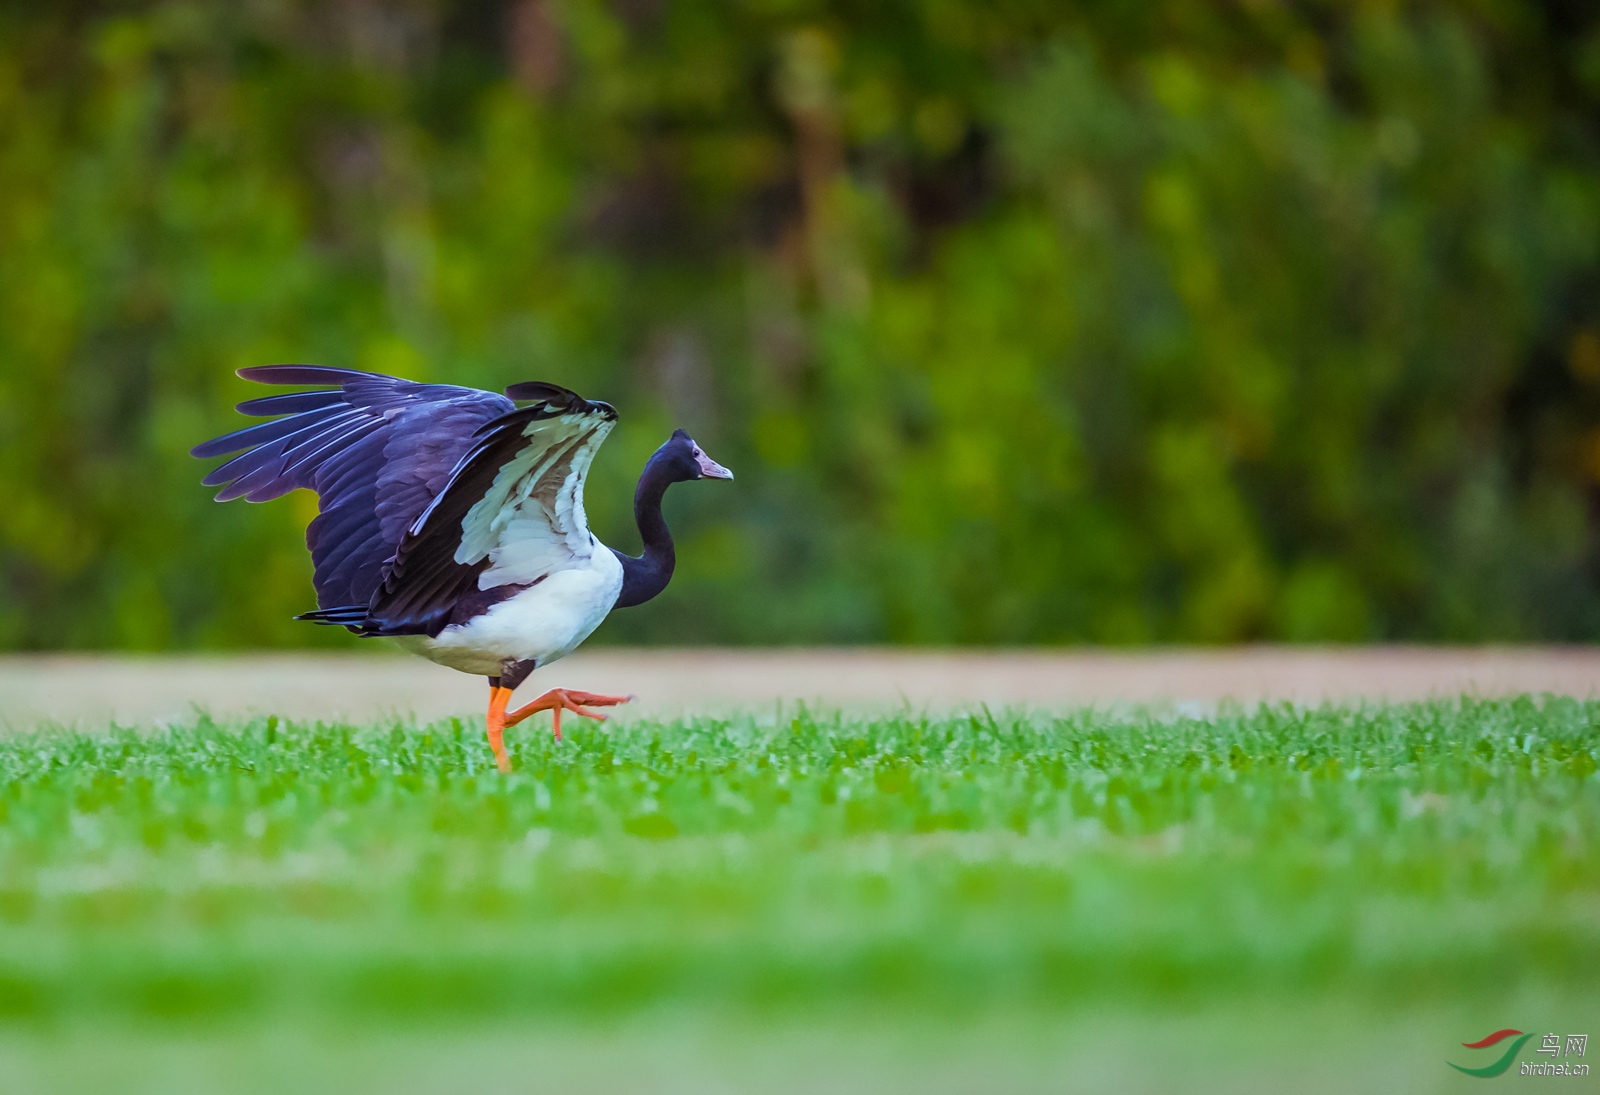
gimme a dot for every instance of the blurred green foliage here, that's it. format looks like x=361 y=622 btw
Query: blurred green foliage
x=1020 y=321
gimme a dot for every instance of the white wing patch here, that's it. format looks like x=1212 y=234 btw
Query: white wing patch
x=531 y=522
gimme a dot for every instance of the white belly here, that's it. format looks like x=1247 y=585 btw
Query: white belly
x=541 y=624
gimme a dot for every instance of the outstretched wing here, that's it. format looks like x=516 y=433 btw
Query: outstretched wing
x=511 y=514
x=378 y=451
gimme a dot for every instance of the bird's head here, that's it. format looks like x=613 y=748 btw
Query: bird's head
x=685 y=460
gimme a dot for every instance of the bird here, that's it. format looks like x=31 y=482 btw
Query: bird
x=451 y=519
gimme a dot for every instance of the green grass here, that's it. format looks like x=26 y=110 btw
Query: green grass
x=813 y=864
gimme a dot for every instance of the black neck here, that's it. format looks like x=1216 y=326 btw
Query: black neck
x=644 y=577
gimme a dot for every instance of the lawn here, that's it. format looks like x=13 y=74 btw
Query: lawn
x=1437 y=860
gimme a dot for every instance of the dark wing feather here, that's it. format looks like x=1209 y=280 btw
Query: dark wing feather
x=291 y=402
x=376 y=449
x=544 y=392
x=309 y=374
x=254 y=437
x=510 y=514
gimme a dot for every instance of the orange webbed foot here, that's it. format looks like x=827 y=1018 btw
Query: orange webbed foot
x=558 y=700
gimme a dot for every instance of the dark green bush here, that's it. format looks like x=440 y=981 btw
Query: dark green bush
x=1020 y=321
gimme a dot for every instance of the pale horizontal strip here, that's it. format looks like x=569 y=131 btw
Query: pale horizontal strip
x=89 y=690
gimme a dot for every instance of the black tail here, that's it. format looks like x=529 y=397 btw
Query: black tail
x=352 y=616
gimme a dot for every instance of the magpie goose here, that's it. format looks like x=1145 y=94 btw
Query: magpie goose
x=451 y=519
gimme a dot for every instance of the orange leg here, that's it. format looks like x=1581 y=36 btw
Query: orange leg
x=558 y=700
x=498 y=698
